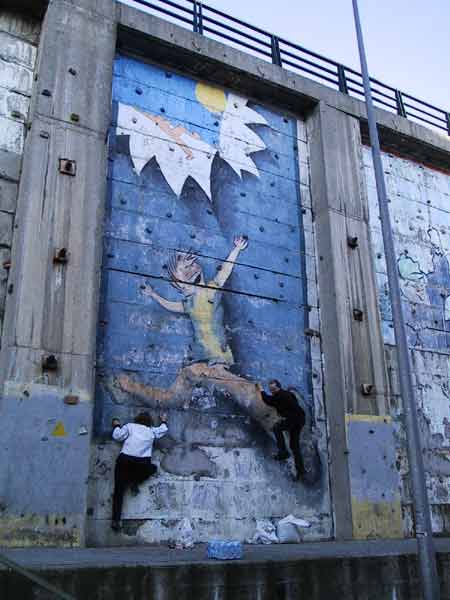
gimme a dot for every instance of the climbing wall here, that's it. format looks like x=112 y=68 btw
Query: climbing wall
x=420 y=213
x=208 y=286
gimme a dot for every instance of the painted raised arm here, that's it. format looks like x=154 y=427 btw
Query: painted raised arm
x=240 y=243
x=167 y=304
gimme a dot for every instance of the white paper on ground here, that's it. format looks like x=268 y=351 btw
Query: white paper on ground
x=265 y=533
x=288 y=529
x=185 y=535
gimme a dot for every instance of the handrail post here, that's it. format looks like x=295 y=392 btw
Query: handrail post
x=447 y=119
x=197 y=17
x=342 y=79
x=399 y=102
x=200 y=18
x=276 y=54
x=194 y=16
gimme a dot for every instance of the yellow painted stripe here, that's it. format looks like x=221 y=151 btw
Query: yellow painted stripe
x=368 y=418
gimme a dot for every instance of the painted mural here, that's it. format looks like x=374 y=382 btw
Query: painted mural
x=420 y=214
x=204 y=281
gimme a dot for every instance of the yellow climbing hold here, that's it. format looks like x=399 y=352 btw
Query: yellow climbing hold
x=212 y=98
x=59 y=430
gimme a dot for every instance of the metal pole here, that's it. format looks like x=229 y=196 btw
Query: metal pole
x=424 y=536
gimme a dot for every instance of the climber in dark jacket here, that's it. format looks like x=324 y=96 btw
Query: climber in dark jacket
x=292 y=420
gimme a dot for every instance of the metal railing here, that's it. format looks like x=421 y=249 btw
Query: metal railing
x=11 y=565
x=216 y=24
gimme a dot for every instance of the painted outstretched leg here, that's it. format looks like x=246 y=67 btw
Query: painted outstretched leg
x=245 y=394
x=160 y=398
x=241 y=391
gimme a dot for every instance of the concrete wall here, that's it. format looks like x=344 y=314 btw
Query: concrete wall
x=47 y=356
x=320 y=331
x=193 y=168
x=420 y=212
x=19 y=36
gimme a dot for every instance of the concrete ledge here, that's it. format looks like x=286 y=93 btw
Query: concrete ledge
x=158 y=40
x=376 y=569
x=63 y=558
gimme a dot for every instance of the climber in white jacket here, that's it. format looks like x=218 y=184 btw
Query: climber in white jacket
x=134 y=463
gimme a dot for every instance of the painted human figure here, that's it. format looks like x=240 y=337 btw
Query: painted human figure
x=202 y=302
x=292 y=421
x=212 y=355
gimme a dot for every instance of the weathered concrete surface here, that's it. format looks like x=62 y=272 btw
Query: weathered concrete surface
x=371 y=570
x=353 y=347
x=374 y=475
x=226 y=503
x=420 y=213
x=169 y=44
x=39 y=501
x=52 y=307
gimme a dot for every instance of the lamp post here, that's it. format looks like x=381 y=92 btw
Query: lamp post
x=424 y=535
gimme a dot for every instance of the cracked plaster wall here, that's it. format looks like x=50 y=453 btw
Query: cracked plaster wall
x=420 y=213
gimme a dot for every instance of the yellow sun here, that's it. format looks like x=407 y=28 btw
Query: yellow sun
x=212 y=98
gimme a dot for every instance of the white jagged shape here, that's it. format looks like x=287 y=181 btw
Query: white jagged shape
x=178 y=152
x=181 y=154
x=237 y=141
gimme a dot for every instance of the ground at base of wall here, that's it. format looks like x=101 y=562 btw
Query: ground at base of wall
x=375 y=570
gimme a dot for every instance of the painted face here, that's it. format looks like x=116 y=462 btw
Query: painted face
x=186 y=273
x=273 y=388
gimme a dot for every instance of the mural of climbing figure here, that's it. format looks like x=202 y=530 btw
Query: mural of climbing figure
x=204 y=284
x=212 y=359
x=202 y=303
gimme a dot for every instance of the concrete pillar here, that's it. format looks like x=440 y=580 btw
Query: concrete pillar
x=48 y=351
x=355 y=374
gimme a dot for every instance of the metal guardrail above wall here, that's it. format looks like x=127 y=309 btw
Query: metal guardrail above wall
x=214 y=23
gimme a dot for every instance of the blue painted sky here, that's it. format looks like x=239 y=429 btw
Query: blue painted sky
x=407 y=41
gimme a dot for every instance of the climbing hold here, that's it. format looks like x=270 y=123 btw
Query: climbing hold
x=358 y=314
x=71 y=399
x=67 y=166
x=61 y=256
x=49 y=363
x=59 y=430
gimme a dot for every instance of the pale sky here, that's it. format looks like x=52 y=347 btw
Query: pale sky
x=407 y=41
